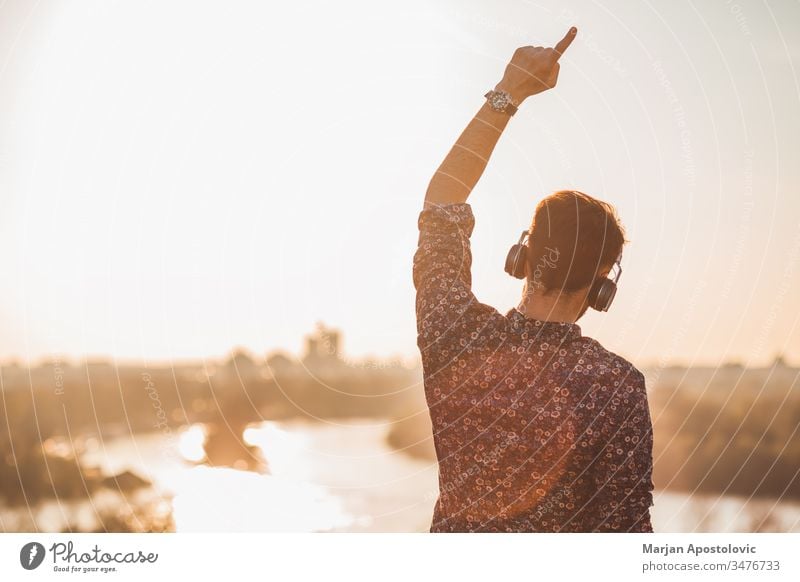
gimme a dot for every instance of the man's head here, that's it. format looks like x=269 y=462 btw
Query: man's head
x=575 y=239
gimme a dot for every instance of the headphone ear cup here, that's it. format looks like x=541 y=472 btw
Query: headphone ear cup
x=602 y=293
x=515 y=261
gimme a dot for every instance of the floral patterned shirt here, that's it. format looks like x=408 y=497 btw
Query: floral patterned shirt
x=536 y=427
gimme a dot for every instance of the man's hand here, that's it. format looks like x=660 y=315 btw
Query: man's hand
x=534 y=69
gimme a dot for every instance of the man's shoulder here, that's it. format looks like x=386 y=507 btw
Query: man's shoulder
x=612 y=367
x=619 y=388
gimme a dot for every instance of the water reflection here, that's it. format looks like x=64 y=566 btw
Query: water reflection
x=191 y=443
x=679 y=512
x=286 y=450
x=320 y=477
x=224 y=499
x=239 y=496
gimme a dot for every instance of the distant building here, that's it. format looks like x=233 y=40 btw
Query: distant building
x=322 y=349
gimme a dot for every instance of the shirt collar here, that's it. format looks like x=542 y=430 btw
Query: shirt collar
x=541 y=330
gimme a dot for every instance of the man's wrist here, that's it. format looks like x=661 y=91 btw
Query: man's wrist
x=516 y=97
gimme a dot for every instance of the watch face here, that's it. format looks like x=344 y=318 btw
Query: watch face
x=499 y=100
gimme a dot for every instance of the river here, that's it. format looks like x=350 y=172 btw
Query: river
x=333 y=477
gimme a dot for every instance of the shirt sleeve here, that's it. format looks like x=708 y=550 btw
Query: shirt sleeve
x=449 y=317
x=624 y=480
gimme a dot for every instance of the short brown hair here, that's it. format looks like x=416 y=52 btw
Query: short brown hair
x=583 y=234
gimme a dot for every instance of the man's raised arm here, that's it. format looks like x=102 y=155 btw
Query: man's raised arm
x=447 y=310
x=531 y=71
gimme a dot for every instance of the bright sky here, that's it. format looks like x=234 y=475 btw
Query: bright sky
x=182 y=177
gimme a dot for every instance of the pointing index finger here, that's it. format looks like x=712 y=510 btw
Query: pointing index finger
x=564 y=43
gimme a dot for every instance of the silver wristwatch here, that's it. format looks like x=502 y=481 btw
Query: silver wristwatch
x=501 y=101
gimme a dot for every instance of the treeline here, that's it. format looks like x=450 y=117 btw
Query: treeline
x=734 y=432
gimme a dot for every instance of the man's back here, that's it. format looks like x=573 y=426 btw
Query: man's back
x=536 y=427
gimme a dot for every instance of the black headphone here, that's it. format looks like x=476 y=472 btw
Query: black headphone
x=602 y=292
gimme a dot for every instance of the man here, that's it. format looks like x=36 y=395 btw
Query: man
x=536 y=427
